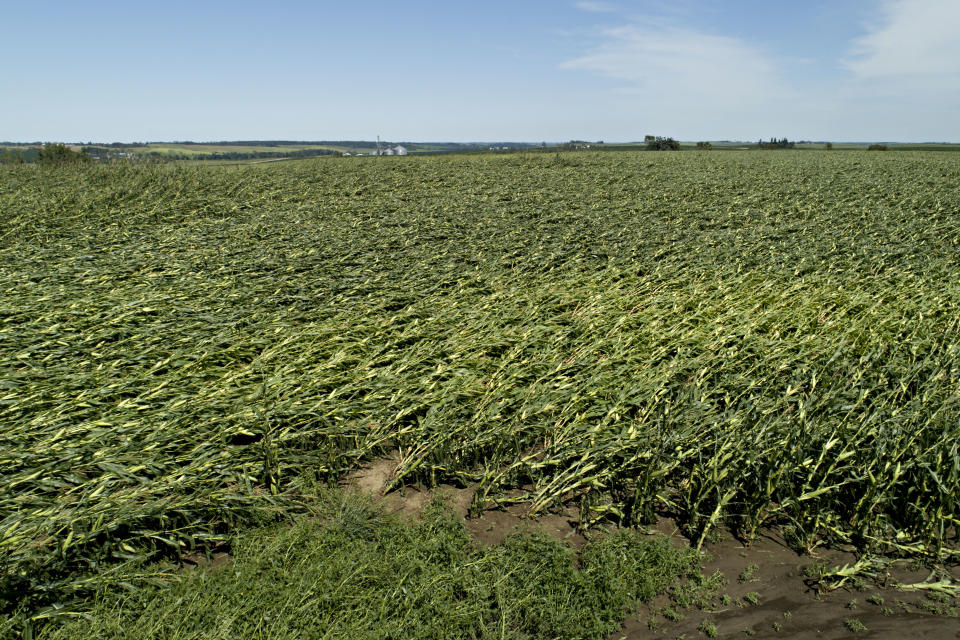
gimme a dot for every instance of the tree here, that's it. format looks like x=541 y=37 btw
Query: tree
x=660 y=143
x=706 y=146
x=56 y=153
x=828 y=146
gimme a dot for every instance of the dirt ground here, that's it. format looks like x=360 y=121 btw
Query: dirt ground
x=768 y=594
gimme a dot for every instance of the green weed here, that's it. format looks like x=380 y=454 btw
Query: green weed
x=364 y=574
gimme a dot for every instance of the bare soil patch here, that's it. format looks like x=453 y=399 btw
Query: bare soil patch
x=788 y=606
x=493 y=525
x=769 y=595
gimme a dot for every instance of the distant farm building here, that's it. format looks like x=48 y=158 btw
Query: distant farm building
x=394 y=151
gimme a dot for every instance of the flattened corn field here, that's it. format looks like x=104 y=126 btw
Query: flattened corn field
x=744 y=340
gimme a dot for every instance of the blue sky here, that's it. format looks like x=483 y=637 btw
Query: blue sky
x=527 y=70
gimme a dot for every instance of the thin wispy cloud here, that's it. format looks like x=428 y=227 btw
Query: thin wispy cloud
x=913 y=38
x=901 y=74
x=596 y=7
x=695 y=69
x=905 y=71
x=679 y=63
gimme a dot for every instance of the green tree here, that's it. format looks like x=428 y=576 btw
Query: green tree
x=660 y=143
x=56 y=153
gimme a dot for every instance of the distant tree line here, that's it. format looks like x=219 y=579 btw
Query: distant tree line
x=776 y=143
x=239 y=155
x=660 y=143
x=19 y=156
x=48 y=154
x=274 y=143
x=435 y=147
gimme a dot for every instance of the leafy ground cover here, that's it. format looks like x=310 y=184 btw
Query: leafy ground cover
x=747 y=340
x=356 y=573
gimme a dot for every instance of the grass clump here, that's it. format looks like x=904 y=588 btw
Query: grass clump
x=708 y=629
x=357 y=573
x=700 y=591
x=855 y=625
x=749 y=574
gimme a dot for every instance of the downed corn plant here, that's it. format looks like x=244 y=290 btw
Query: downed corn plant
x=740 y=339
